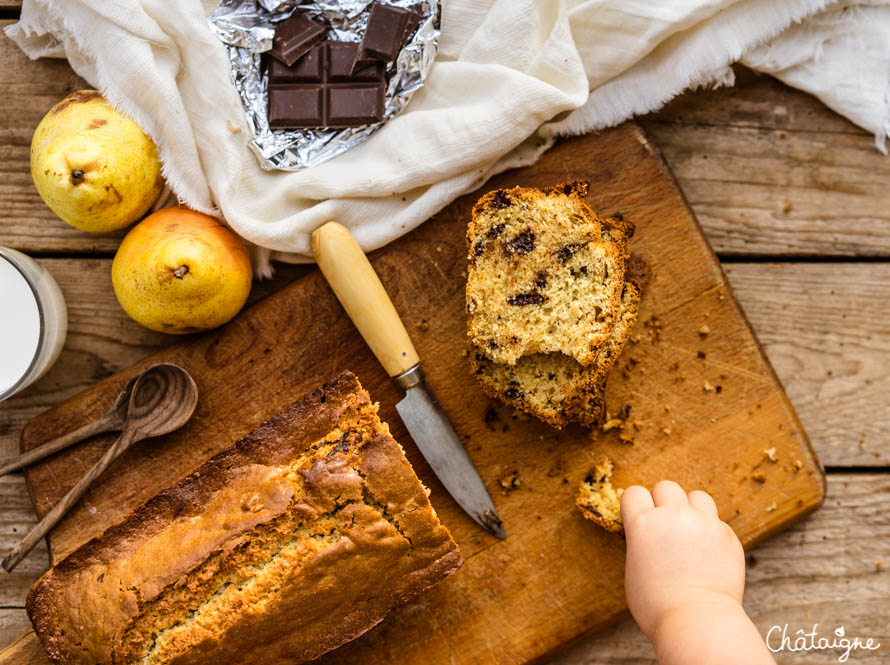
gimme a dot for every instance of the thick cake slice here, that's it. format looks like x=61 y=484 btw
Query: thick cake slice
x=598 y=500
x=300 y=537
x=554 y=387
x=543 y=277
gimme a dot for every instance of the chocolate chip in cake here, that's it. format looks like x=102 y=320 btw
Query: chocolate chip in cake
x=566 y=252
x=521 y=244
x=479 y=248
x=541 y=280
x=500 y=200
x=521 y=299
x=496 y=230
x=514 y=393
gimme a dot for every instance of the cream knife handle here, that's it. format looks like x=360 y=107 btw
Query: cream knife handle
x=348 y=271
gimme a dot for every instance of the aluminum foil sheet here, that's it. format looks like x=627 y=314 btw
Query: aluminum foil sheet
x=246 y=27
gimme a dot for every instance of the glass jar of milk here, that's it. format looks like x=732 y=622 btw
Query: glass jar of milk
x=33 y=321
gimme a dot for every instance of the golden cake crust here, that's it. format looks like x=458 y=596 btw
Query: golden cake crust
x=297 y=539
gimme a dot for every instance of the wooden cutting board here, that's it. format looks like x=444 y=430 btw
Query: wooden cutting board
x=701 y=403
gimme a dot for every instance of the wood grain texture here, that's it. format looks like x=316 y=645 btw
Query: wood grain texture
x=769 y=170
x=16 y=519
x=824 y=327
x=300 y=336
x=823 y=570
x=811 y=319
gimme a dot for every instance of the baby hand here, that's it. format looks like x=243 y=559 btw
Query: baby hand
x=680 y=556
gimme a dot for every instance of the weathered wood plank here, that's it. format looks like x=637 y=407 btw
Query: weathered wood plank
x=16 y=519
x=824 y=570
x=769 y=170
x=13 y=623
x=822 y=326
x=756 y=101
x=830 y=570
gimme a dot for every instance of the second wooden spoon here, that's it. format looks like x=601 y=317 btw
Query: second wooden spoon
x=162 y=400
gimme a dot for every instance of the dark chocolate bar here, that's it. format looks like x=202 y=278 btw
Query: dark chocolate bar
x=387 y=32
x=295 y=37
x=321 y=91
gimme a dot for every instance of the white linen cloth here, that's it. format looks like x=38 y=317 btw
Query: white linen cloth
x=510 y=76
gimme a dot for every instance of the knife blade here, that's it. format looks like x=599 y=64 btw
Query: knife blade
x=443 y=451
x=359 y=290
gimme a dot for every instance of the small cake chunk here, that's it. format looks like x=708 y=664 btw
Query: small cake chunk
x=598 y=500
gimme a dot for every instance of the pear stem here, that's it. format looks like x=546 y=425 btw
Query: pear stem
x=76 y=176
x=181 y=271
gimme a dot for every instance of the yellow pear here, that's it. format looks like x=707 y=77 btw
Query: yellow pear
x=180 y=271
x=94 y=167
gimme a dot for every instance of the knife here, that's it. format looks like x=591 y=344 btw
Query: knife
x=357 y=287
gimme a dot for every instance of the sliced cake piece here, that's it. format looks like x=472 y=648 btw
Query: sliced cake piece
x=543 y=276
x=598 y=500
x=588 y=411
x=554 y=387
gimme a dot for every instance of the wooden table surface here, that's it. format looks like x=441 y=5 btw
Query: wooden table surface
x=795 y=201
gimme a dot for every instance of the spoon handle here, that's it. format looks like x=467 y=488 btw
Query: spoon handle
x=58 y=511
x=107 y=423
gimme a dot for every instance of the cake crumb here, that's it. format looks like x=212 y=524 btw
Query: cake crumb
x=232 y=129
x=788 y=207
x=771 y=454
x=510 y=482
x=708 y=388
x=758 y=477
x=612 y=424
x=704 y=331
x=771 y=507
x=798 y=465
x=423 y=325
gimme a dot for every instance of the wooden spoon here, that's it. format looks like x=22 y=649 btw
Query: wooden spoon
x=112 y=421
x=162 y=399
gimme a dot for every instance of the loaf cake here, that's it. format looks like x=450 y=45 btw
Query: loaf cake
x=598 y=500
x=553 y=386
x=545 y=274
x=299 y=538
